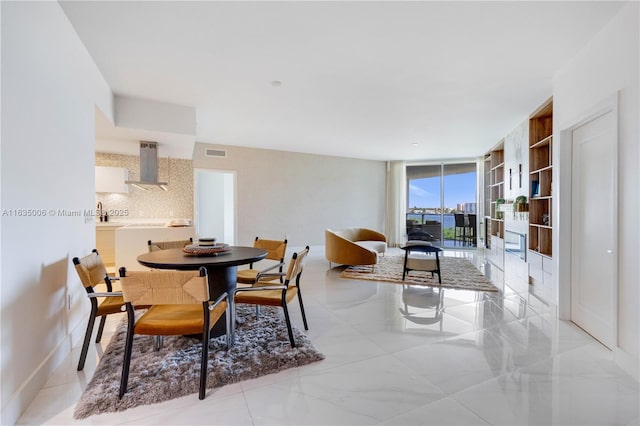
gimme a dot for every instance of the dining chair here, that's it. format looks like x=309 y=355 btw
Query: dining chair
x=165 y=245
x=275 y=253
x=180 y=305
x=93 y=273
x=265 y=292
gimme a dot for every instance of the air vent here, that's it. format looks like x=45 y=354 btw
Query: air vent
x=210 y=152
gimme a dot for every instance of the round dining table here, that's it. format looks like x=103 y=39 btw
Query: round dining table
x=222 y=271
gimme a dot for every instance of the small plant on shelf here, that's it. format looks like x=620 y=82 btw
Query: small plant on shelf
x=520 y=205
x=499 y=213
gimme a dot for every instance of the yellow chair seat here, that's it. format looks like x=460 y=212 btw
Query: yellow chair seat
x=265 y=297
x=170 y=320
x=247 y=276
x=110 y=305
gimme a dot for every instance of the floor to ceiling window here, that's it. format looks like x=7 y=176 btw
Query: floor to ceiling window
x=442 y=204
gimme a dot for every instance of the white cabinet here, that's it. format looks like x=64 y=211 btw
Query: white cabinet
x=540 y=275
x=106 y=243
x=111 y=179
x=496 y=251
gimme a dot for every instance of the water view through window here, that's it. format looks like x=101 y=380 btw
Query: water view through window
x=442 y=204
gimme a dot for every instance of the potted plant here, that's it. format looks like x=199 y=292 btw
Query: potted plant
x=499 y=212
x=520 y=204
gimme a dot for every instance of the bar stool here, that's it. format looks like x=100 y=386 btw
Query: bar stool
x=460 y=230
x=472 y=234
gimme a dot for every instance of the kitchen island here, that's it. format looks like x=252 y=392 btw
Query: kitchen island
x=131 y=241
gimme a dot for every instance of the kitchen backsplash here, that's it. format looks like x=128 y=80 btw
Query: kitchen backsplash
x=177 y=202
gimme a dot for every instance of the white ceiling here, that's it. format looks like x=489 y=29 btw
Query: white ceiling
x=359 y=79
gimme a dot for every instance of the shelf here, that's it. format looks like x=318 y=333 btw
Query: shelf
x=497 y=166
x=549 y=167
x=537 y=225
x=541 y=198
x=540 y=240
x=540 y=158
x=540 y=129
x=544 y=142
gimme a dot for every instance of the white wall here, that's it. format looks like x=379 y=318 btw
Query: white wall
x=300 y=195
x=135 y=113
x=50 y=87
x=516 y=152
x=606 y=65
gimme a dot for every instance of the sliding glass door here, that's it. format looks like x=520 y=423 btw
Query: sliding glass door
x=424 y=198
x=442 y=204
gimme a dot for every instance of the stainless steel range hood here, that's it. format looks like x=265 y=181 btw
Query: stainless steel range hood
x=148 y=167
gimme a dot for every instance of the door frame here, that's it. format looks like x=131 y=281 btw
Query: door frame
x=562 y=235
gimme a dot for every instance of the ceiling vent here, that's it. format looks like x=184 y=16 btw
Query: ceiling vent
x=148 y=167
x=210 y=152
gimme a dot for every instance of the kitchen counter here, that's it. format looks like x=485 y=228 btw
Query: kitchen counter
x=108 y=225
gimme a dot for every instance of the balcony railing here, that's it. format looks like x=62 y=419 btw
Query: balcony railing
x=432 y=224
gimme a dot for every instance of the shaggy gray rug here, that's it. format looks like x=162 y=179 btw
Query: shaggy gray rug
x=456 y=273
x=261 y=347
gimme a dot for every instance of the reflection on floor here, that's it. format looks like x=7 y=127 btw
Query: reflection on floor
x=398 y=355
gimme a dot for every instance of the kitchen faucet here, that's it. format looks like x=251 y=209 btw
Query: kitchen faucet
x=99 y=208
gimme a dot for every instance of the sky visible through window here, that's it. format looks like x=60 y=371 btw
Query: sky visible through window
x=458 y=189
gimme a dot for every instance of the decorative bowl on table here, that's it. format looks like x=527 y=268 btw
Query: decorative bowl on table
x=206 y=242
x=206 y=247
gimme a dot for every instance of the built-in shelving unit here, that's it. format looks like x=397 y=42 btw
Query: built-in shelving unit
x=540 y=180
x=493 y=214
x=487 y=200
x=496 y=190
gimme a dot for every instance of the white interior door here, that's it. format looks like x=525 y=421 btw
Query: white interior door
x=215 y=204
x=594 y=228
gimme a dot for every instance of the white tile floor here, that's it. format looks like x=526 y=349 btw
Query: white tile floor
x=486 y=359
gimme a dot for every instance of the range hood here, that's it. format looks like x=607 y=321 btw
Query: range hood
x=148 y=167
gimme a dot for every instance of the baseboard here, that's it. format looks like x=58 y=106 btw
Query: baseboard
x=630 y=364
x=21 y=399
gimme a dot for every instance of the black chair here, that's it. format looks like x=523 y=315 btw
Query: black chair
x=428 y=260
x=420 y=236
x=460 y=229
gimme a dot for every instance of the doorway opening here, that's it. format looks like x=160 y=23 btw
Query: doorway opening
x=214 y=202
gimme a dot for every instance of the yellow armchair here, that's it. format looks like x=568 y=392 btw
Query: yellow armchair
x=354 y=246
